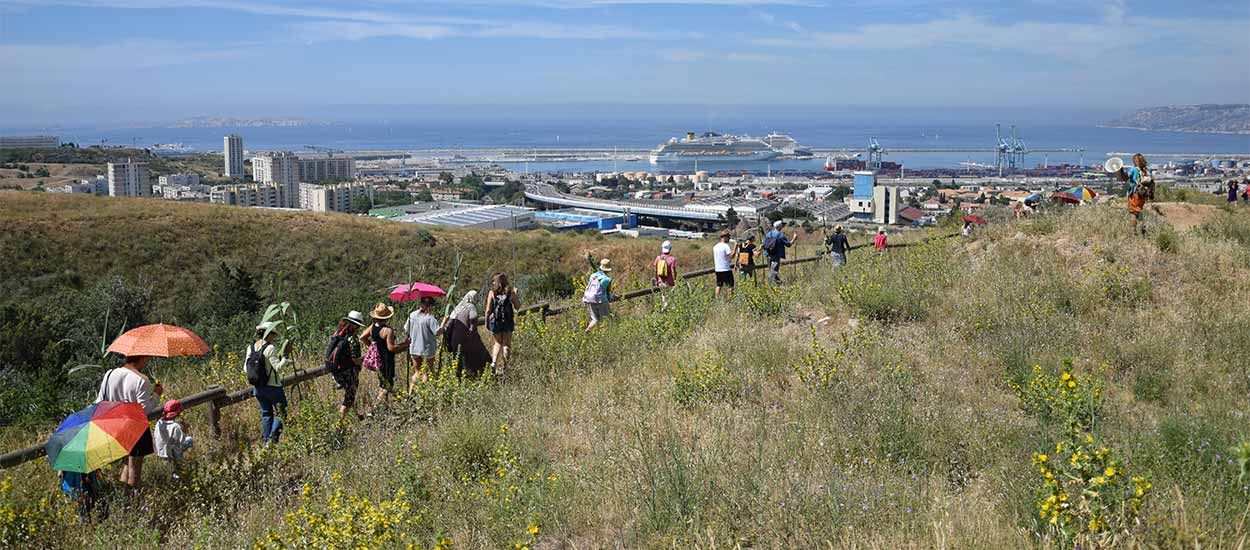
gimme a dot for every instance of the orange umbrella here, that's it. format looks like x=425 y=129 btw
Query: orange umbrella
x=159 y=341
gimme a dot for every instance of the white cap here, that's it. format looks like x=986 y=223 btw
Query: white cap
x=778 y=224
x=666 y=247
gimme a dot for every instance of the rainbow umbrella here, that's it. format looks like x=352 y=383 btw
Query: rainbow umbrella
x=96 y=436
x=1081 y=193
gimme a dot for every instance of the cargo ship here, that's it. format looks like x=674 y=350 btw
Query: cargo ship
x=713 y=147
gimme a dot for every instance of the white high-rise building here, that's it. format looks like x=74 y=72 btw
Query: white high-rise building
x=234 y=156
x=280 y=168
x=317 y=170
x=129 y=179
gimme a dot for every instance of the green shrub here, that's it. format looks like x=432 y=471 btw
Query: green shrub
x=1167 y=240
x=1062 y=399
x=1086 y=497
x=769 y=300
x=466 y=447
x=706 y=381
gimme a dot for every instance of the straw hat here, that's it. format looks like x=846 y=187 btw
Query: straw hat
x=354 y=317
x=382 y=312
x=837 y=228
x=605 y=265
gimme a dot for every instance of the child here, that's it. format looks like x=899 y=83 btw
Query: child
x=171 y=439
x=85 y=489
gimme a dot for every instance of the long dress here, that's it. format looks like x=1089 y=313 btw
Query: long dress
x=462 y=340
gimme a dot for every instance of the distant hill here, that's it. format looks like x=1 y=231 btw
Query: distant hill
x=1211 y=118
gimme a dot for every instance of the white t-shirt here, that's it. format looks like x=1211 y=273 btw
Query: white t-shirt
x=721 y=253
x=170 y=440
x=126 y=386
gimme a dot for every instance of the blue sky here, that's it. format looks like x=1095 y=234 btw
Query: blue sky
x=105 y=60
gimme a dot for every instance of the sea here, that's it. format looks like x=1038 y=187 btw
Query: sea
x=645 y=129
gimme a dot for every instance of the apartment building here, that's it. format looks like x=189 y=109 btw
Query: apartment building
x=233 y=149
x=331 y=197
x=129 y=179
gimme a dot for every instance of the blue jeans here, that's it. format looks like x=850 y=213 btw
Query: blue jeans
x=272 y=400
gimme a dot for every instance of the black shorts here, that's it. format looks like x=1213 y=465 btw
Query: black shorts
x=144 y=446
x=725 y=278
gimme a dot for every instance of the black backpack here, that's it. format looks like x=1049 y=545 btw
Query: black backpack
x=338 y=353
x=256 y=368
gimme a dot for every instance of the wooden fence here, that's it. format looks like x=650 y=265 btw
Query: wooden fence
x=217 y=398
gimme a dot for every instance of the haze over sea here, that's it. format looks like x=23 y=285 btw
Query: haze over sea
x=643 y=127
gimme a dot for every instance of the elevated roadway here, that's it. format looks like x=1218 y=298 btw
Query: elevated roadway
x=547 y=194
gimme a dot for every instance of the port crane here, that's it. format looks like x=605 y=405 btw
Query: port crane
x=875 y=151
x=328 y=151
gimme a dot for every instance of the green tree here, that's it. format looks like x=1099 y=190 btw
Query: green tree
x=731 y=218
x=361 y=204
x=446 y=178
x=42 y=172
x=231 y=292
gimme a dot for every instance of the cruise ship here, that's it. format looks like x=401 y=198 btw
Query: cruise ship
x=713 y=147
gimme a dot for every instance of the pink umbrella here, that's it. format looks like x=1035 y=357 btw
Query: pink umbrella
x=415 y=291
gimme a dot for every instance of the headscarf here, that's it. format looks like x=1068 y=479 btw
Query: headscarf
x=465 y=312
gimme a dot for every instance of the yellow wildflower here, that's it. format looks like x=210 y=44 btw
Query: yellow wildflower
x=533 y=529
x=1109 y=471
x=1100 y=480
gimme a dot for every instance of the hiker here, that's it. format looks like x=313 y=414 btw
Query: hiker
x=423 y=329
x=1232 y=191
x=263 y=364
x=838 y=247
x=598 y=293
x=343 y=359
x=665 y=266
x=1245 y=191
x=745 y=255
x=879 y=242
x=172 y=440
x=129 y=384
x=967 y=230
x=501 y=306
x=461 y=338
x=86 y=490
x=1140 y=187
x=775 y=244
x=723 y=265
x=381 y=338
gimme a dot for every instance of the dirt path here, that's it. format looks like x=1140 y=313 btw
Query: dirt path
x=1182 y=215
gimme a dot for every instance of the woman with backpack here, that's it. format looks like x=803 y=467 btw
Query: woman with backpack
x=263 y=369
x=598 y=293
x=665 y=266
x=382 y=346
x=501 y=306
x=343 y=359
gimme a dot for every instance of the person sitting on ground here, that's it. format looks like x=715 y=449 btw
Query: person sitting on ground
x=172 y=440
x=270 y=395
x=461 y=339
x=343 y=359
x=598 y=294
x=722 y=262
x=665 y=268
x=775 y=244
x=423 y=329
x=745 y=257
x=129 y=384
x=501 y=306
x=967 y=230
x=838 y=247
x=879 y=242
x=382 y=338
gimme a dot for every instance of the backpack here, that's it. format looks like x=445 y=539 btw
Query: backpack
x=593 y=287
x=661 y=268
x=255 y=366
x=501 y=309
x=771 y=241
x=338 y=354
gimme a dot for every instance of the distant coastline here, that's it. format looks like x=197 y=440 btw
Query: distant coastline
x=1228 y=119
x=231 y=122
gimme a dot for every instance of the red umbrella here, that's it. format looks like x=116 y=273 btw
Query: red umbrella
x=975 y=219
x=1065 y=197
x=159 y=341
x=415 y=291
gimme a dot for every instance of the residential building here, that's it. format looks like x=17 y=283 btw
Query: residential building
x=29 y=142
x=885 y=204
x=335 y=197
x=233 y=150
x=268 y=195
x=177 y=180
x=98 y=185
x=129 y=179
x=316 y=170
x=282 y=168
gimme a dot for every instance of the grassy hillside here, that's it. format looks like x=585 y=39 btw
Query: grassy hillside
x=905 y=401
